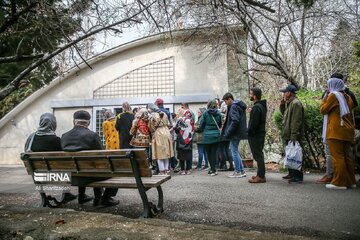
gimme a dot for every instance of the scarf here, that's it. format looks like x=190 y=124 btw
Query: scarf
x=47 y=126
x=186 y=125
x=335 y=85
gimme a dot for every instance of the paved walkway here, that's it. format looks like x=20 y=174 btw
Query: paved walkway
x=306 y=209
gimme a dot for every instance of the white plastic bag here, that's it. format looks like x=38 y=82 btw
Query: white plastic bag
x=294 y=156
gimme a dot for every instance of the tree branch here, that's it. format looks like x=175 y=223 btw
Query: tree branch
x=12 y=86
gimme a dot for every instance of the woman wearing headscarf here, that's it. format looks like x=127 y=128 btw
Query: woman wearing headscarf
x=185 y=132
x=45 y=140
x=199 y=137
x=210 y=124
x=123 y=125
x=161 y=143
x=140 y=129
x=111 y=135
x=338 y=132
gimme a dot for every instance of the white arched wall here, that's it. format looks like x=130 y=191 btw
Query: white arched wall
x=191 y=77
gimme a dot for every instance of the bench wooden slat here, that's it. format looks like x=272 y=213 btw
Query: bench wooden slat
x=85 y=162
x=130 y=182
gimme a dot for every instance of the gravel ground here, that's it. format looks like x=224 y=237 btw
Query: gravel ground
x=306 y=209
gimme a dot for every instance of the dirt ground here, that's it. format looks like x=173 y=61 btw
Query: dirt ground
x=19 y=222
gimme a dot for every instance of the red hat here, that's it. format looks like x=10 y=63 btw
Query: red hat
x=159 y=101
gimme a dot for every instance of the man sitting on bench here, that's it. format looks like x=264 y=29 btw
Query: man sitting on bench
x=81 y=138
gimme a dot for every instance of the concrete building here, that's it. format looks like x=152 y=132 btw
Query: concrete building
x=138 y=72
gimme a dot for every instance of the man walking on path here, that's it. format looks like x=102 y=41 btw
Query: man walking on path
x=234 y=130
x=293 y=125
x=256 y=133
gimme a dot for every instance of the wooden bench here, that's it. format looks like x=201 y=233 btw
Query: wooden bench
x=127 y=168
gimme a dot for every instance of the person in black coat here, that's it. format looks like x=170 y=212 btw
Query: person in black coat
x=123 y=125
x=81 y=138
x=256 y=133
x=45 y=140
x=234 y=130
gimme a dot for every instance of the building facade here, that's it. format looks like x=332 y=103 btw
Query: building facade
x=138 y=72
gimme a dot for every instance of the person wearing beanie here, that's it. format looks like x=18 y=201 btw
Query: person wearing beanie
x=82 y=138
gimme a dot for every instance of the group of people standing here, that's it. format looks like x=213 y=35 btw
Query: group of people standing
x=219 y=130
x=338 y=133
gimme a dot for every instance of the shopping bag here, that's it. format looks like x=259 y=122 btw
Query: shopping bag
x=294 y=156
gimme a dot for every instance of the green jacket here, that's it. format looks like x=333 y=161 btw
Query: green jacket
x=210 y=131
x=293 y=120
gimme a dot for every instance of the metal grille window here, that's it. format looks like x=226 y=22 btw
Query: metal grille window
x=154 y=79
x=98 y=125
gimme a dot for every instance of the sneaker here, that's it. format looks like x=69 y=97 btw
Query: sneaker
x=109 y=201
x=83 y=198
x=182 y=173
x=213 y=174
x=237 y=175
x=353 y=186
x=332 y=186
x=209 y=172
x=204 y=167
x=188 y=172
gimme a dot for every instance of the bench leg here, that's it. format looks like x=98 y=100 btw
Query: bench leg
x=161 y=199
x=146 y=204
x=45 y=200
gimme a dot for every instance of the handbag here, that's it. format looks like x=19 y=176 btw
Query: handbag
x=293 y=156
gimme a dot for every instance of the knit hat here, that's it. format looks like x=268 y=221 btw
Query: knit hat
x=82 y=115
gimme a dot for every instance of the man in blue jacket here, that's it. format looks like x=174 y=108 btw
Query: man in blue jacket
x=234 y=130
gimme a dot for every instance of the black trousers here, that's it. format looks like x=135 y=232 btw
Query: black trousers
x=83 y=181
x=185 y=157
x=257 y=146
x=211 y=152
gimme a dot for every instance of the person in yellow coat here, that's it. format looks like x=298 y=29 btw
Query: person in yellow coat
x=338 y=133
x=111 y=135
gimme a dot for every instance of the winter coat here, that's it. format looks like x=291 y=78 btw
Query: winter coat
x=330 y=106
x=257 y=119
x=185 y=131
x=235 y=122
x=141 y=133
x=110 y=134
x=210 y=131
x=198 y=132
x=293 y=120
x=80 y=138
x=123 y=125
x=161 y=143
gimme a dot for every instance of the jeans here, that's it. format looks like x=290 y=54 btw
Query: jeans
x=225 y=154
x=329 y=167
x=234 y=144
x=202 y=155
x=257 y=146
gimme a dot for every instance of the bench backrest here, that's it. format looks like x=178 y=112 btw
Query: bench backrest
x=96 y=163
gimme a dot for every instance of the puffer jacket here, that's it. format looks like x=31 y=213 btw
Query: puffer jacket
x=235 y=122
